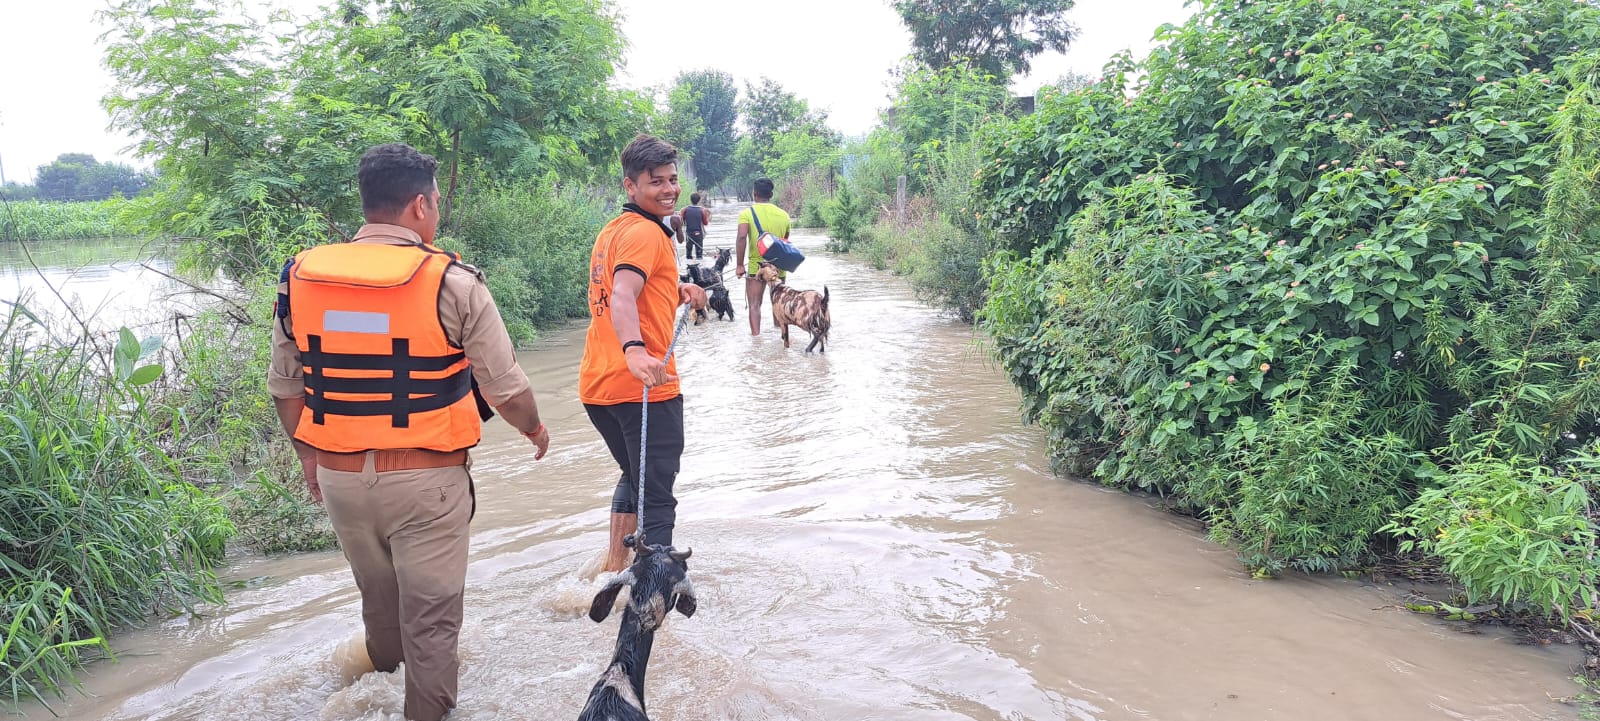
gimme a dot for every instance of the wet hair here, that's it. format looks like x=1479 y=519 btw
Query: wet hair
x=763 y=187
x=646 y=153
x=694 y=198
x=391 y=175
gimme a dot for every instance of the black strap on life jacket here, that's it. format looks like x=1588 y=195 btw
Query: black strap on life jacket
x=435 y=393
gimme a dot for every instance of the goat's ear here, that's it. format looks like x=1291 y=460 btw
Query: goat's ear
x=681 y=556
x=684 y=600
x=607 y=597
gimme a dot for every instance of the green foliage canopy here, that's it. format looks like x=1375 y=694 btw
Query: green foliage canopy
x=256 y=125
x=1000 y=37
x=705 y=101
x=1289 y=193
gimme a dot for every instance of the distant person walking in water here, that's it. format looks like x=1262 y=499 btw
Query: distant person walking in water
x=770 y=219
x=695 y=219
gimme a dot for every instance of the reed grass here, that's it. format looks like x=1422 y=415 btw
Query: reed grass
x=43 y=220
x=98 y=529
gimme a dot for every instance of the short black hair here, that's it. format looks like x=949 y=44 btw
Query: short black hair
x=391 y=175
x=646 y=153
x=763 y=187
x=694 y=198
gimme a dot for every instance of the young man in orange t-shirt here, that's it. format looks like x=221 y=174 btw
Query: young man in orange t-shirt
x=634 y=296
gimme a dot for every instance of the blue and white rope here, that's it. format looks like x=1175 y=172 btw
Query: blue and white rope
x=644 y=427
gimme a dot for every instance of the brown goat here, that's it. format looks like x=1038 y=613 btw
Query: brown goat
x=805 y=308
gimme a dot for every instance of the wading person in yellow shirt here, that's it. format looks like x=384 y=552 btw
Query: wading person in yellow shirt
x=771 y=219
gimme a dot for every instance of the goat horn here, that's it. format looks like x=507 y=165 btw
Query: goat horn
x=681 y=555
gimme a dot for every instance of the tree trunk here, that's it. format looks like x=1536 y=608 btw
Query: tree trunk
x=455 y=168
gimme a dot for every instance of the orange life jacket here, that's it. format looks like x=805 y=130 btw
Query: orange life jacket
x=379 y=371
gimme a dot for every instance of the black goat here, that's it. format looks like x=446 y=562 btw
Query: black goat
x=711 y=280
x=658 y=581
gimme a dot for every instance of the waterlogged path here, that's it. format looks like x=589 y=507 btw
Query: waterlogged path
x=876 y=536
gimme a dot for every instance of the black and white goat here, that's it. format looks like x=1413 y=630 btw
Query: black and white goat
x=658 y=581
x=711 y=280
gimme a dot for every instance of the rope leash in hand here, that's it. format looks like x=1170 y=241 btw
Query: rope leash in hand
x=644 y=428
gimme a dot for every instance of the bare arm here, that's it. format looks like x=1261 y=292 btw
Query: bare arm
x=740 y=243
x=625 y=288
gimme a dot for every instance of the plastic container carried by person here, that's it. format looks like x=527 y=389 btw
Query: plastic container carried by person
x=775 y=250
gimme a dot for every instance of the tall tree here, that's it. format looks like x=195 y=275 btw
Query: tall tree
x=710 y=104
x=257 y=126
x=78 y=176
x=60 y=180
x=681 y=125
x=933 y=108
x=1000 y=37
x=768 y=110
x=107 y=179
x=514 y=83
x=778 y=122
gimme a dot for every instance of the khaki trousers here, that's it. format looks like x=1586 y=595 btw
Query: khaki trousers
x=405 y=535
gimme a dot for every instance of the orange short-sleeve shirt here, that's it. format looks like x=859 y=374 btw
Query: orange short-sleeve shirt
x=629 y=243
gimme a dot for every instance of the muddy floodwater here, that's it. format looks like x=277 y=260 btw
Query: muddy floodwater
x=876 y=536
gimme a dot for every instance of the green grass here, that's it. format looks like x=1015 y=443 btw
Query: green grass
x=97 y=527
x=41 y=220
x=127 y=468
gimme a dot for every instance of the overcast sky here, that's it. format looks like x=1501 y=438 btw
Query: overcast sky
x=837 y=54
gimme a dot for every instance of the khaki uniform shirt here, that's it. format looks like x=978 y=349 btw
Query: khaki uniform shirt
x=466 y=310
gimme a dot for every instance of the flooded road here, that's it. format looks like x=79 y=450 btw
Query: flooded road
x=876 y=536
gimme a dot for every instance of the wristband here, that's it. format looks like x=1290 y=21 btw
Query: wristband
x=535 y=431
x=632 y=343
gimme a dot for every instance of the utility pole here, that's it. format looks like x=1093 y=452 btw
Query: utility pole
x=2 y=172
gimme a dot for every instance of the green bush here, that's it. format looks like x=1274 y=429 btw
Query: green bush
x=934 y=108
x=225 y=426
x=846 y=216
x=1287 y=197
x=939 y=244
x=891 y=245
x=950 y=274
x=804 y=196
x=1306 y=487
x=532 y=243
x=1512 y=530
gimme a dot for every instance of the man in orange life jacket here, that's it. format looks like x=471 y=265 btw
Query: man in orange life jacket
x=634 y=294
x=384 y=351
